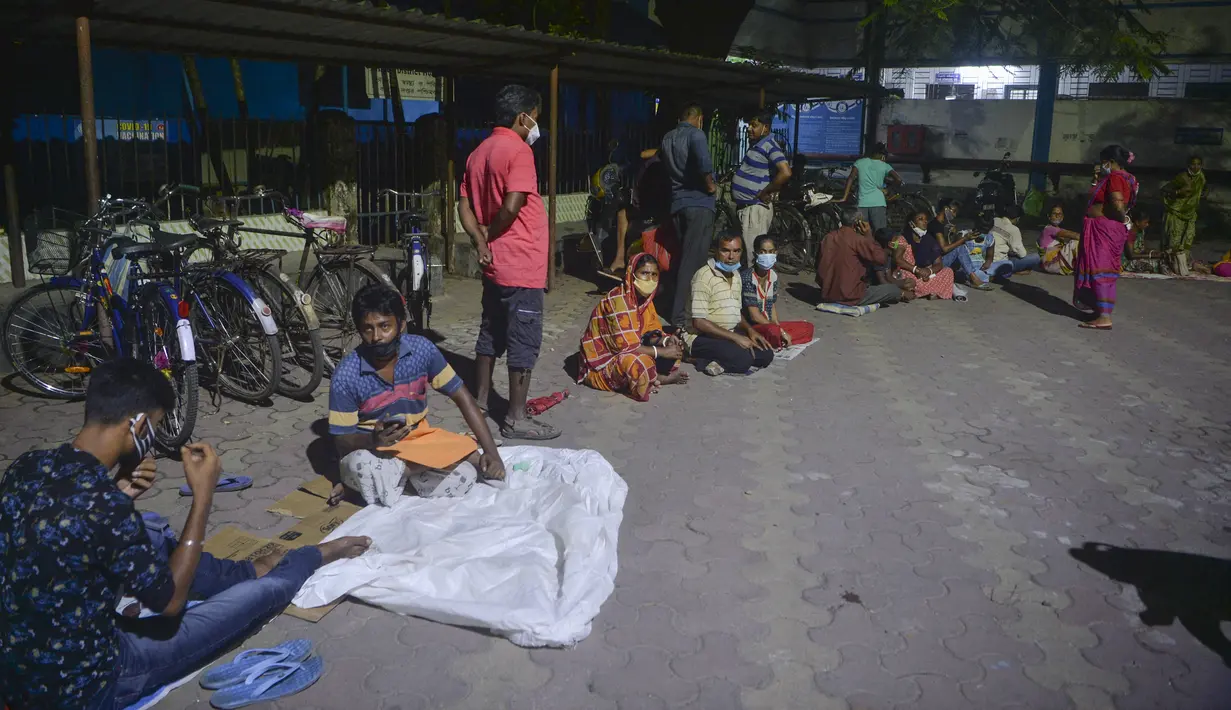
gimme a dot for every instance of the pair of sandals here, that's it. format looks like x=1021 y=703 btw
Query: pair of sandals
x=263 y=674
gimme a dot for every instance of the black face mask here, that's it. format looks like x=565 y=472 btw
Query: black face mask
x=380 y=352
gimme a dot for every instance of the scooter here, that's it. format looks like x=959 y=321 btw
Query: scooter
x=995 y=191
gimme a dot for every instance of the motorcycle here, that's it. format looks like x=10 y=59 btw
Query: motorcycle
x=995 y=191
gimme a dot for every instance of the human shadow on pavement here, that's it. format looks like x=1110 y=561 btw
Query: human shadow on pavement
x=806 y=292
x=497 y=405
x=1196 y=589
x=323 y=457
x=1042 y=299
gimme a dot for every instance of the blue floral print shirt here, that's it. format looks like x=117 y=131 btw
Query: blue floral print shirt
x=70 y=541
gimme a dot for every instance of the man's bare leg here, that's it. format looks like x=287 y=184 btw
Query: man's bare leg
x=519 y=389
x=484 y=366
x=619 y=261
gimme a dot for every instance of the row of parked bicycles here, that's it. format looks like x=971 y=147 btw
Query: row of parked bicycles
x=205 y=311
x=806 y=211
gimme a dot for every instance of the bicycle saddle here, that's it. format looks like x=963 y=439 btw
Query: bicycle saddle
x=207 y=224
x=160 y=243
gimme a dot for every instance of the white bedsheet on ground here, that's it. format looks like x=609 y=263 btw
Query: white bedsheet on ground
x=532 y=561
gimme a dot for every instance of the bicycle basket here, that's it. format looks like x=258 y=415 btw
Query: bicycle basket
x=54 y=252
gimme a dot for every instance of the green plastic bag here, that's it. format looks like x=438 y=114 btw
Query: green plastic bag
x=1034 y=202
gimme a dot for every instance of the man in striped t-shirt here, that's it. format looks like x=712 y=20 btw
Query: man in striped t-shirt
x=763 y=173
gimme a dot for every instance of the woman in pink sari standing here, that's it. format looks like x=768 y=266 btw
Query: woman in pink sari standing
x=1103 y=236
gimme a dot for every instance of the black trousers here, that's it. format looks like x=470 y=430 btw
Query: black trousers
x=695 y=228
x=732 y=357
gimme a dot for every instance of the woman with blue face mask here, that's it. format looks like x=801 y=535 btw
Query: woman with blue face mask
x=760 y=298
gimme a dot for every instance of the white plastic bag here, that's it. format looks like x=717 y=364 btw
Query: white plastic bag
x=532 y=561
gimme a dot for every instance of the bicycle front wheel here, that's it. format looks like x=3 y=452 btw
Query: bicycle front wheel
x=793 y=238
x=303 y=353
x=49 y=342
x=332 y=286
x=155 y=339
x=726 y=221
x=245 y=360
x=418 y=303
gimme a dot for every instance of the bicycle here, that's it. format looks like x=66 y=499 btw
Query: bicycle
x=415 y=279
x=726 y=219
x=97 y=290
x=302 y=355
x=902 y=206
x=340 y=271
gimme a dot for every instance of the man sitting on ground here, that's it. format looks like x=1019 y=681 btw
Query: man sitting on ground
x=378 y=394
x=720 y=338
x=1009 y=254
x=847 y=256
x=70 y=539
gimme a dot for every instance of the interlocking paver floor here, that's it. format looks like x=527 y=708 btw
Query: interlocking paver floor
x=940 y=505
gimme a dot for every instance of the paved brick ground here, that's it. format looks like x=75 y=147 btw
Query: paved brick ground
x=889 y=521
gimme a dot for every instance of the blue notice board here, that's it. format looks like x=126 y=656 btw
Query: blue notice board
x=829 y=128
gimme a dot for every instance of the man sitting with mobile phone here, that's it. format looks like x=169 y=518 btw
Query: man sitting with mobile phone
x=71 y=539
x=378 y=394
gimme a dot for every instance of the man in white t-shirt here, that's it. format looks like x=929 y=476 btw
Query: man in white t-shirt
x=1008 y=254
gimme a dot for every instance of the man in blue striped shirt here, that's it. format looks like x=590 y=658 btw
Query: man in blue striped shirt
x=763 y=173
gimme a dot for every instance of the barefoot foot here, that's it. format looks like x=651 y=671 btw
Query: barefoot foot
x=343 y=548
x=678 y=377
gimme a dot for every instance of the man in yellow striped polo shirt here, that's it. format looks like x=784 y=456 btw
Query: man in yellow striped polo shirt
x=718 y=337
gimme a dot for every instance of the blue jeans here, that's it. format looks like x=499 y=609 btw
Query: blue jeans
x=961 y=257
x=1008 y=267
x=159 y=650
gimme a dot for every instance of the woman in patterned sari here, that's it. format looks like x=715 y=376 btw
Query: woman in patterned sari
x=1104 y=233
x=1057 y=244
x=623 y=348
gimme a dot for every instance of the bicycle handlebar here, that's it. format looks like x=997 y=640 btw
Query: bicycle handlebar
x=390 y=192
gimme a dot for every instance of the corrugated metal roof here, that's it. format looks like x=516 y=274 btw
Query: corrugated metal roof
x=361 y=33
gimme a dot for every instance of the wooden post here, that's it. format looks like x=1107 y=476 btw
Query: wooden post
x=16 y=258
x=762 y=104
x=449 y=188
x=89 y=131
x=552 y=155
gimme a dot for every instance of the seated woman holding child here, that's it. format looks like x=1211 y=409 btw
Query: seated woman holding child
x=1137 y=257
x=932 y=279
x=624 y=348
x=760 y=298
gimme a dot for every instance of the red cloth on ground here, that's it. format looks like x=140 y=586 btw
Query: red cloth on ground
x=799 y=331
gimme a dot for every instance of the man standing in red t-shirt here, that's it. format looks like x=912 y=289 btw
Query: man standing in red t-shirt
x=501 y=210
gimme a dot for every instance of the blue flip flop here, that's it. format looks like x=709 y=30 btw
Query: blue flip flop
x=226 y=484
x=270 y=683
x=246 y=662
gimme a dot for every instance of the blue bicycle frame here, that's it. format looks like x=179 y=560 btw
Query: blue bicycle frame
x=121 y=312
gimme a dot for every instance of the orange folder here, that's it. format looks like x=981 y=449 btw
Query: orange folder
x=435 y=448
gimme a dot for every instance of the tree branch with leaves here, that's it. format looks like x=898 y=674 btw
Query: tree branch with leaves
x=1105 y=37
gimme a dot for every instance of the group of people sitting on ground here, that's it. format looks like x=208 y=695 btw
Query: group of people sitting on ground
x=723 y=307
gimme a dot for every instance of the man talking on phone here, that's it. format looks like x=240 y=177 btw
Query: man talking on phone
x=378 y=394
x=71 y=539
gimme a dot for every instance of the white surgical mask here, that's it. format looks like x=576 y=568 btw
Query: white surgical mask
x=919 y=230
x=767 y=261
x=533 y=135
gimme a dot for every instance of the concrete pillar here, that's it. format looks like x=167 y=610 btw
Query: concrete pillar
x=1044 y=110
